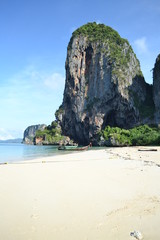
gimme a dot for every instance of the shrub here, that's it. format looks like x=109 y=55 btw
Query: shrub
x=141 y=135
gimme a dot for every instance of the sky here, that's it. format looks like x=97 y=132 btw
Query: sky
x=34 y=35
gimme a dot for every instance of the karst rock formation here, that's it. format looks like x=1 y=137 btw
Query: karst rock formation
x=104 y=85
x=156 y=89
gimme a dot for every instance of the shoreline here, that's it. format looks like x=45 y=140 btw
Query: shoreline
x=95 y=194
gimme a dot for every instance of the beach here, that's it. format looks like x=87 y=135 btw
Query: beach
x=91 y=195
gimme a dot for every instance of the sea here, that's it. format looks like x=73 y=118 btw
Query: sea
x=14 y=152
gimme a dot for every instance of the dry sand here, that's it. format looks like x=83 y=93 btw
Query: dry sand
x=92 y=195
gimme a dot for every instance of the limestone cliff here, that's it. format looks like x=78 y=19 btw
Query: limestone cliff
x=156 y=89
x=30 y=132
x=104 y=84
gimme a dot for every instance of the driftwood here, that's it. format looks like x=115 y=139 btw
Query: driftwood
x=151 y=149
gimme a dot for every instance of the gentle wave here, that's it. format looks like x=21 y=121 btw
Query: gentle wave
x=10 y=152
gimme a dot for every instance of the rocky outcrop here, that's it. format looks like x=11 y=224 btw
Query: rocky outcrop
x=104 y=84
x=156 y=89
x=30 y=132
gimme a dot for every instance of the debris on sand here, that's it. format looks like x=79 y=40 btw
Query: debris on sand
x=138 y=235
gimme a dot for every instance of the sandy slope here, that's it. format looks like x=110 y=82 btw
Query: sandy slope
x=94 y=195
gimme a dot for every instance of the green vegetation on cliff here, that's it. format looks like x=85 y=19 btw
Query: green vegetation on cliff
x=138 y=136
x=100 y=33
x=146 y=108
x=51 y=134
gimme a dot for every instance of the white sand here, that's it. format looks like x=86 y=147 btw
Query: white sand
x=92 y=195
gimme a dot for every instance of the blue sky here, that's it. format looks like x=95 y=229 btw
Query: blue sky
x=33 y=48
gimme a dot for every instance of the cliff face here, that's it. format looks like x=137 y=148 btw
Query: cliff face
x=104 y=84
x=156 y=89
x=30 y=132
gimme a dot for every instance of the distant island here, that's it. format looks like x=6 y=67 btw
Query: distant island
x=106 y=98
x=16 y=140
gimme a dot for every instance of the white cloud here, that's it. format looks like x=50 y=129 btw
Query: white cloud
x=141 y=45
x=29 y=87
x=29 y=97
x=4 y=134
x=34 y=80
x=54 y=81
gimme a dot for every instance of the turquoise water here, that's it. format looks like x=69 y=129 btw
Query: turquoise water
x=10 y=152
